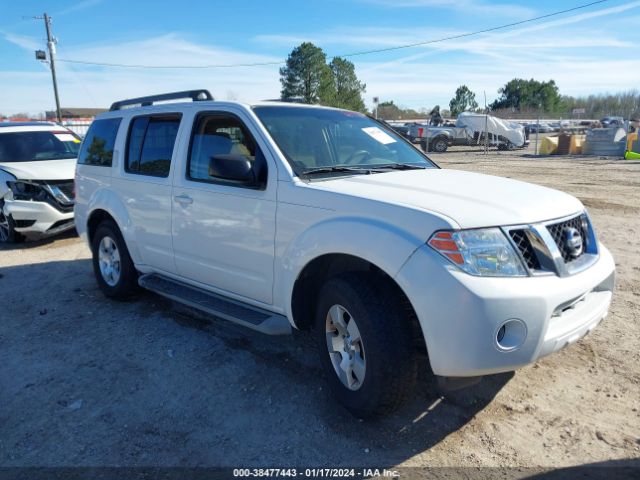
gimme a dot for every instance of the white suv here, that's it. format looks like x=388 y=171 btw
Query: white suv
x=276 y=215
x=37 y=165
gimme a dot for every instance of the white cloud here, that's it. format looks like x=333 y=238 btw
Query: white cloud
x=471 y=7
x=23 y=41
x=82 y=85
x=78 y=6
x=585 y=53
x=425 y=85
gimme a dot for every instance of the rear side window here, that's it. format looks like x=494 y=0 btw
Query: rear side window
x=150 y=144
x=97 y=147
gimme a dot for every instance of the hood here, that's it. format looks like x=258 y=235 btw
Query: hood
x=42 y=170
x=471 y=199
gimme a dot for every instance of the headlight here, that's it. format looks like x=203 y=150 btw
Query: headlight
x=483 y=252
x=26 y=191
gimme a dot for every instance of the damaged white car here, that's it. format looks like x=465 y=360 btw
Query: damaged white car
x=37 y=166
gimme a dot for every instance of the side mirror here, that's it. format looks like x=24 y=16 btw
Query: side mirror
x=236 y=168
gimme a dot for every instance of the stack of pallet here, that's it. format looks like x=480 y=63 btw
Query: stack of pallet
x=605 y=141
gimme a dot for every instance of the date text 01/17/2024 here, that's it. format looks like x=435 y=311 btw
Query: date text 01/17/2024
x=314 y=473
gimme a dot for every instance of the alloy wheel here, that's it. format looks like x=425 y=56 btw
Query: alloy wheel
x=345 y=347
x=109 y=261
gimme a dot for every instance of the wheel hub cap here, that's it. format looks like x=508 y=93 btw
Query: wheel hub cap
x=345 y=347
x=109 y=261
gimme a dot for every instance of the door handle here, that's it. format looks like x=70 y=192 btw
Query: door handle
x=183 y=199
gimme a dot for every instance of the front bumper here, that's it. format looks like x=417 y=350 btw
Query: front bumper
x=37 y=217
x=461 y=314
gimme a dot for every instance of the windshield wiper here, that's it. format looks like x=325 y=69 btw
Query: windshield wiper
x=402 y=166
x=320 y=170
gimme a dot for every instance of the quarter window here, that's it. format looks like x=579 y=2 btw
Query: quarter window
x=97 y=147
x=150 y=144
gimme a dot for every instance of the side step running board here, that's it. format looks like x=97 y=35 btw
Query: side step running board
x=217 y=305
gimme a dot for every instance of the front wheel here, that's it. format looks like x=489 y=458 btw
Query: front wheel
x=365 y=348
x=112 y=265
x=8 y=232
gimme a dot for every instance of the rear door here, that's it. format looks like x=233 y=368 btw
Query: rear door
x=144 y=184
x=223 y=232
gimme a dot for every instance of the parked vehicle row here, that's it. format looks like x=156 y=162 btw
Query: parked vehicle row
x=439 y=139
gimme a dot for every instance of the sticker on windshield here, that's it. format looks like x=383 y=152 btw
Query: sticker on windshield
x=66 y=137
x=379 y=135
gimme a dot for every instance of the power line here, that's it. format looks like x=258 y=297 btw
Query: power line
x=478 y=32
x=352 y=54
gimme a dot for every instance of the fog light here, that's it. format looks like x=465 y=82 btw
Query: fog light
x=511 y=335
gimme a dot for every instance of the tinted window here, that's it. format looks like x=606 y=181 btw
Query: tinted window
x=35 y=146
x=220 y=134
x=314 y=137
x=150 y=145
x=97 y=147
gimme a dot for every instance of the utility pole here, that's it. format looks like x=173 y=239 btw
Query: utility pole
x=51 y=44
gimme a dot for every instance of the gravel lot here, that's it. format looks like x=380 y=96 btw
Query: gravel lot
x=85 y=381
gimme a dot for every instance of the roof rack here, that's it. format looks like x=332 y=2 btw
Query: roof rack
x=286 y=100
x=195 y=95
x=27 y=124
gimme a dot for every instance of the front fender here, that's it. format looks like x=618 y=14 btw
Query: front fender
x=375 y=241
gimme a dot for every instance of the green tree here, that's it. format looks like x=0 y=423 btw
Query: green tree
x=520 y=94
x=306 y=75
x=390 y=111
x=346 y=90
x=464 y=100
x=625 y=104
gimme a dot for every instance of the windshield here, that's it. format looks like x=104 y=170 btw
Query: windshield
x=315 y=139
x=36 y=146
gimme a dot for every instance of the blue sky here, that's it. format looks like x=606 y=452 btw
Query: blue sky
x=593 y=50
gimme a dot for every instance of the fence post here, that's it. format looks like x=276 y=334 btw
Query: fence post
x=537 y=132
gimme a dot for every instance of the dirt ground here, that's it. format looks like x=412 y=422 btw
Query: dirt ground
x=85 y=381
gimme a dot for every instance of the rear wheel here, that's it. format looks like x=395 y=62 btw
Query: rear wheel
x=439 y=145
x=112 y=265
x=365 y=348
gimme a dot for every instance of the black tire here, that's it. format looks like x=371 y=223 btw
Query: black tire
x=439 y=145
x=385 y=332
x=127 y=282
x=8 y=232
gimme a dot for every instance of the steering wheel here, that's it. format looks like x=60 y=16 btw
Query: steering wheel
x=360 y=155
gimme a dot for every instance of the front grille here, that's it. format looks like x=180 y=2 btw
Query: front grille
x=60 y=194
x=521 y=241
x=66 y=187
x=557 y=232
